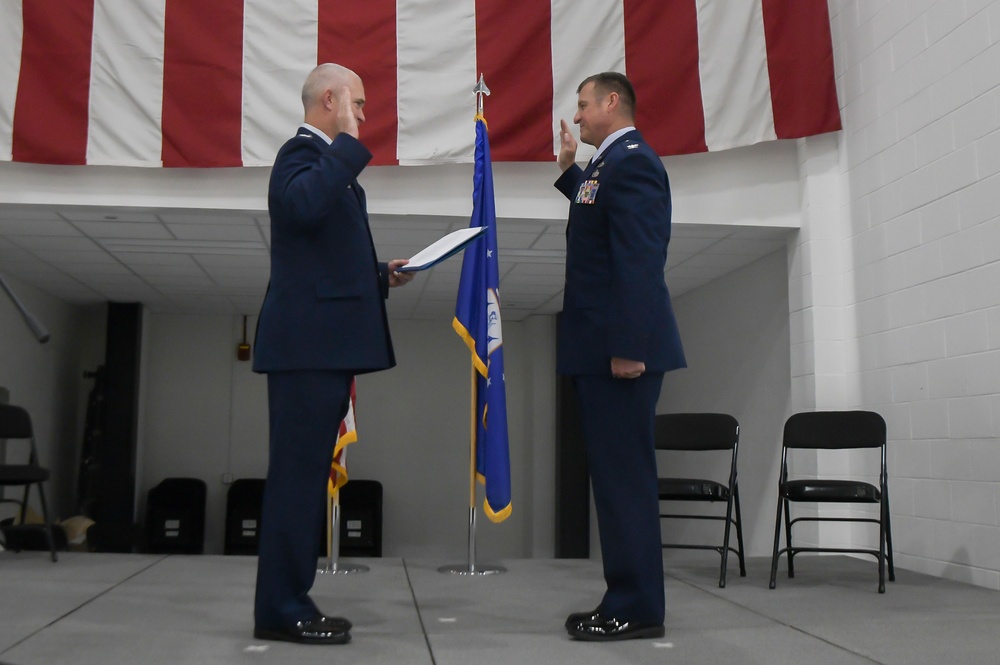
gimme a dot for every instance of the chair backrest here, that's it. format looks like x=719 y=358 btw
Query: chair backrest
x=834 y=430
x=15 y=423
x=361 y=518
x=175 y=516
x=696 y=431
x=244 y=502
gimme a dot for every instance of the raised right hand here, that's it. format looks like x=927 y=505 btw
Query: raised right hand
x=347 y=121
x=567 y=146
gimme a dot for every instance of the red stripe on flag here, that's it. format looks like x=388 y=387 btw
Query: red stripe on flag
x=800 y=67
x=362 y=37
x=51 y=113
x=203 y=83
x=514 y=54
x=661 y=60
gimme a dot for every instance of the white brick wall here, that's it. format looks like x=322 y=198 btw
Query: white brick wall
x=895 y=290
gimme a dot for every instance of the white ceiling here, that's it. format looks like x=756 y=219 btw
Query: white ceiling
x=212 y=261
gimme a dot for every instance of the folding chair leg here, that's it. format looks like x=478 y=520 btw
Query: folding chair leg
x=739 y=533
x=48 y=524
x=777 y=537
x=725 y=542
x=788 y=539
x=888 y=538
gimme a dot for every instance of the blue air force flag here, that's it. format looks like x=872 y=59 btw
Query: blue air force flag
x=477 y=321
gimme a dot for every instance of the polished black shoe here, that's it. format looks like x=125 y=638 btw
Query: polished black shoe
x=609 y=629
x=577 y=617
x=321 y=630
x=337 y=621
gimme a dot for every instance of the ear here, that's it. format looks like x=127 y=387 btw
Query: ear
x=613 y=99
x=329 y=100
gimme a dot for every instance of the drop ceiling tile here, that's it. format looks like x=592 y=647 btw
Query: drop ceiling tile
x=404 y=237
x=748 y=246
x=523 y=279
x=96 y=269
x=25 y=213
x=551 y=240
x=128 y=254
x=721 y=262
x=556 y=269
x=117 y=215
x=708 y=231
x=172 y=282
x=36 y=227
x=693 y=272
x=255 y=260
x=130 y=229
x=70 y=243
x=247 y=232
x=431 y=223
x=58 y=256
x=208 y=217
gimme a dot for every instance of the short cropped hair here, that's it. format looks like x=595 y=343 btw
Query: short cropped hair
x=607 y=82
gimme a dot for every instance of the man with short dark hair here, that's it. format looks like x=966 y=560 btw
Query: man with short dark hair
x=617 y=337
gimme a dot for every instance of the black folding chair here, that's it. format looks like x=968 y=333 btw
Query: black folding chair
x=15 y=424
x=833 y=430
x=704 y=432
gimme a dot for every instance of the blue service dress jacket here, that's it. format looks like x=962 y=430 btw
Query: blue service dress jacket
x=616 y=302
x=325 y=305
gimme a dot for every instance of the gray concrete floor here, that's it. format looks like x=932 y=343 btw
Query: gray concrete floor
x=106 y=609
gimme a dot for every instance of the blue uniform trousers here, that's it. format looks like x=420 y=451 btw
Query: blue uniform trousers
x=617 y=417
x=305 y=410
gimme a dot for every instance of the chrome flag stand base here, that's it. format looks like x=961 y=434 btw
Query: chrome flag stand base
x=333 y=566
x=472 y=568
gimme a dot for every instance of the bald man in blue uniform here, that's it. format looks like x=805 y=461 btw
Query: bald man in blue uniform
x=322 y=322
x=617 y=338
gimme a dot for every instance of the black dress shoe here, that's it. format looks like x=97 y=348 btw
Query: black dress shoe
x=337 y=621
x=609 y=629
x=577 y=617
x=321 y=630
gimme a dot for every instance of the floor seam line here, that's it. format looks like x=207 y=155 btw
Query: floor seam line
x=81 y=606
x=420 y=616
x=774 y=620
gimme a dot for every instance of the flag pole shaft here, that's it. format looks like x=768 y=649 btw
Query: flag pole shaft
x=335 y=530
x=472 y=441
x=472 y=472
x=329 y=533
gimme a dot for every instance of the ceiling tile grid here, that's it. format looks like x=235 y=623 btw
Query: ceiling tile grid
x=218 y=261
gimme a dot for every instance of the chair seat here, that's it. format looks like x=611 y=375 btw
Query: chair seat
x=22 y=474
x=835 y=491
x=691 y=489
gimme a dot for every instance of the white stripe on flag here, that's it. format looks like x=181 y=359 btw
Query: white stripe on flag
x=126 y=83
x=583 y=43
x=279 y=51
x=436 y=48
x=11 y=35
x=735 y=89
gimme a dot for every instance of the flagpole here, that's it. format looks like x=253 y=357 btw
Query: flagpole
x=333 y=565
x=471 y=568
x=472 y=472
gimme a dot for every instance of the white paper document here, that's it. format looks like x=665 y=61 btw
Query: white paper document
x=443 y=248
